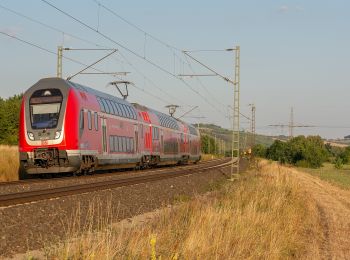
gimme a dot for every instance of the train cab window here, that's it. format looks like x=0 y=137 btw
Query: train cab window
x=96 y=121
x=45 y=106
x=89 y=120
x=81 y=119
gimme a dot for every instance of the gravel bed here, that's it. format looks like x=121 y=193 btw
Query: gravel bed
x=36 y=225
x=38 y=184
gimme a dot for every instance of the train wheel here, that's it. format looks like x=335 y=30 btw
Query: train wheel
x=22 y=174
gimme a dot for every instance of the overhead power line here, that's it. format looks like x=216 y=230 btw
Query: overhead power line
x=77 y=62
x=131 y=51
x=80 y=39
x=135 y=26
x=50 y=27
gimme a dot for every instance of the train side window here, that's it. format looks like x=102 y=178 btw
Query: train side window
x=105 y=105
x=132 y=148
x=116 y=109
x=133 y=113
x=123 y=110
x=131 y=116
x=81 y=119
x=120 y=144
x=111 y=110
x=127 y=144
x=128 y=112
x=101 y=104
x=116 y=147
x=89 y=120
x=111 y=144
x=124 y=144
x=96 y=121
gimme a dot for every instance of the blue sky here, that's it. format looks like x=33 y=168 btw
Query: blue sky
x=293 y=53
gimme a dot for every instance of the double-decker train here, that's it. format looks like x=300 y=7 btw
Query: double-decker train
x=67 y=127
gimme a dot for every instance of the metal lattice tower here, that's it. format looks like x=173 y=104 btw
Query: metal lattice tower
x=252 y=126
x=235 y=119
x=59 y=61
x=291 y=123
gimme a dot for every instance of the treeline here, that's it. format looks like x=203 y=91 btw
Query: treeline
x=208 y=144
x=9 y=119
x=304 y=151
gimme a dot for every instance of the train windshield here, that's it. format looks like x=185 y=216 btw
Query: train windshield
x=45 y=106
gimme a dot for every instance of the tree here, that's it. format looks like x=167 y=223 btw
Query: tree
x=208 y=144
x=302 y=151
x=259 y=150
x=278 y=151
x=9 y=119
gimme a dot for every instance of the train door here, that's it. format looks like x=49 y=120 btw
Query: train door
x=136 y=140
x=161 y=142
x=104 y=136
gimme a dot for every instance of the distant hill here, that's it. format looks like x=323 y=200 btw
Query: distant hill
x=226 y=135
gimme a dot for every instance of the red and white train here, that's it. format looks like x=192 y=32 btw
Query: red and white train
x=67 y=127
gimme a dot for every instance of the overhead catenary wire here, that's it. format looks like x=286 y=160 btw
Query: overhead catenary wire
x=146 y=34
x=77 y=62
x=130 y=50
x=135 y=26
x=75 y=37
x=50 y=27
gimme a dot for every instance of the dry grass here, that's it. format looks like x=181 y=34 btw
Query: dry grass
x=263 y=215
x=9 y=163
x=207 y=157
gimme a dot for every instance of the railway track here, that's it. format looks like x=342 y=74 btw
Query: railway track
x=96 y=175
x=96 y=185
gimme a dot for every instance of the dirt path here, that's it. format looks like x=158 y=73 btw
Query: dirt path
x=333 y=205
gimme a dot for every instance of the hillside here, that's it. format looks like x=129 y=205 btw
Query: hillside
x=226 y=135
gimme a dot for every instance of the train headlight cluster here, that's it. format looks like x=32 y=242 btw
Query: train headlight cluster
x=30 y=136
x=57 y=134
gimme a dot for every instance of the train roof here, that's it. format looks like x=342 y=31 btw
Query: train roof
x=164 y=119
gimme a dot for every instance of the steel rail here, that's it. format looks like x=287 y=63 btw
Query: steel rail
x=44 y=194
x=98 y=174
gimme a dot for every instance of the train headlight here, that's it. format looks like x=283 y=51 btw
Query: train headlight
x=57 y=134
x=30 y=136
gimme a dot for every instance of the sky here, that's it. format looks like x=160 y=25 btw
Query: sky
x=293 y=54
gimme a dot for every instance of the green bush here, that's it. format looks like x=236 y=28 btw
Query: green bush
x=259 y=150
x=9 y=119
x=301 y=151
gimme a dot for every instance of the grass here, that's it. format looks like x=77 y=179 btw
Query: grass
x=207 y=157
x=262 y=215
x=339 y=177
x=9 y=163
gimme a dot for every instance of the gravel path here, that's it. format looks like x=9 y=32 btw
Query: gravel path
x=35 y=225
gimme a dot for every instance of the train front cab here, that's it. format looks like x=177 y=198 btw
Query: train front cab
x=44 y=145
